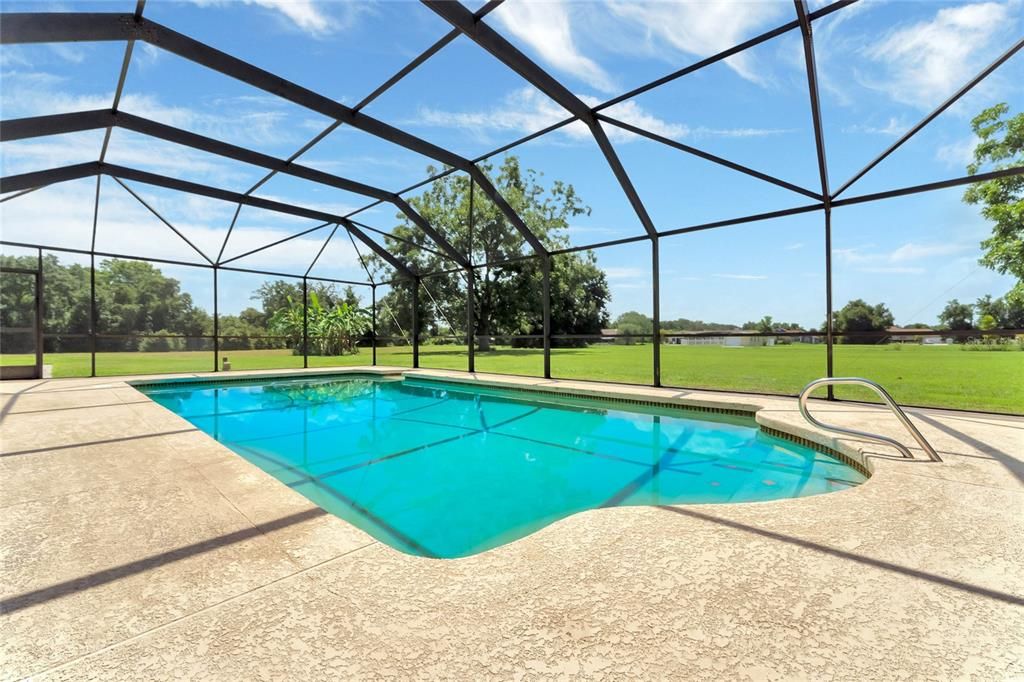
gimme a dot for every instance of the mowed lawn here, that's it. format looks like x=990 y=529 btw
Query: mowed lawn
x=941 y=376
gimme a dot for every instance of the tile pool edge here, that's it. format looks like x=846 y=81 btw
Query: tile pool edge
x=225 y=378
x=847 y=453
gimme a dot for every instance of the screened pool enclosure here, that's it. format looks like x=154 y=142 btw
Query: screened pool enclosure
x=636 y=239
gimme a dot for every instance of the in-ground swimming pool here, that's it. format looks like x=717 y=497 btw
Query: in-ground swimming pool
x=447 y=470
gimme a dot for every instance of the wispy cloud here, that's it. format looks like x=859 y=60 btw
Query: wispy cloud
x=625 y=273
x=309 y=16
x=893 y=128
x=869 y=258
x=700 y=28
x=526 y=110
x=925 y=61
x=793 y=247
x=547 y=27
x=956 y=154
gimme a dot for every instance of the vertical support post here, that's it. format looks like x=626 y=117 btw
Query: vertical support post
x=92 y=312
x=545 y=261
x=373 y=323
x=656 y=312
x=470 y=321
x=305 y=323
x=829 y=340
x=470 y=285
x=415 y=322
x=39 y=315
x=216 y=323
x=93 y=319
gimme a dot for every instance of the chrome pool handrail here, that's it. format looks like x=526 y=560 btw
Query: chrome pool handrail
x=884 y=395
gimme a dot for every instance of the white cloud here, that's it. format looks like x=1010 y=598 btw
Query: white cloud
x=892 y=270
x=914 y=252
x=526 y=111
x=894 y=128
x=625 y=273
x=523 y=110
x=956 y=154
x=869 y=258
x=306 y=15
x=927 y=60
x=547 y=28
x=702 y=29
x=794 y=247
x=68 y=52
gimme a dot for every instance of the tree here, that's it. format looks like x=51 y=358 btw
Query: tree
x=66 y=306
x=506 y=297
x=859 y=316
x=987 y=323
x=333 y=330
x=991 y=307
x=635 y=323
x=765 y=325
x=1001 y=145
x=957 y=316
x=1014 y=316
x=279 y=294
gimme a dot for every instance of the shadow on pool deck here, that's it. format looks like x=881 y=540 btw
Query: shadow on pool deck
x=843 y=554
x=1012 y=465
x=99 y=578
x=109 y=575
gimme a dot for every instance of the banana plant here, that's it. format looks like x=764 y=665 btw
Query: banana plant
x=332 y=331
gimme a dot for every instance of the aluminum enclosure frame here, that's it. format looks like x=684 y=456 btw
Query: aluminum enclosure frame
x=16 y=28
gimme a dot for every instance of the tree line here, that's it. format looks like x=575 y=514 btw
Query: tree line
x=139 y=308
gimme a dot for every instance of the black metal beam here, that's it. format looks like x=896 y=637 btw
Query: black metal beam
x=709 y=157
x=932 y=116
x=931 y=186
x=494 y=43
x=35 y=179
x=18 y=129
x=319 y=253
x=71 y=27
x=489 y=190
x=812 y=87
x=47 y=177
x=163 y=220
x=623 y=177
x=54 y=124
x=819 y=146
x=756 y=217
x=266 y=204
x=290 y=237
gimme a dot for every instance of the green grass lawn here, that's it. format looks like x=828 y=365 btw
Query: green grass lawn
x=941 y=376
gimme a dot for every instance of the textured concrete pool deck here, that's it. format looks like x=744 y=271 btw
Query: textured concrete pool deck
x=133 y=546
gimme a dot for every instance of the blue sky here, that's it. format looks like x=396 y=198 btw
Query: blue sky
x=883 y=65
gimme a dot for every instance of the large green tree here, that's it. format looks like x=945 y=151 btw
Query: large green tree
x=507 y=297
x=1001 y=145
x=957 y=316
x=859 y=316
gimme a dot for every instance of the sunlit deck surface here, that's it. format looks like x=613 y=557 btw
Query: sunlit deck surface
x=136 y=547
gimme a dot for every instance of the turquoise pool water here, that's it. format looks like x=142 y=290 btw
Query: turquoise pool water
x=447 y=470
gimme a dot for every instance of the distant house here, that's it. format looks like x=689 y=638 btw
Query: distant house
x=914 y=335
x=732 y=338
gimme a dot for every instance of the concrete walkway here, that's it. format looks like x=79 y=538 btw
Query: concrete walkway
x=133 y=546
